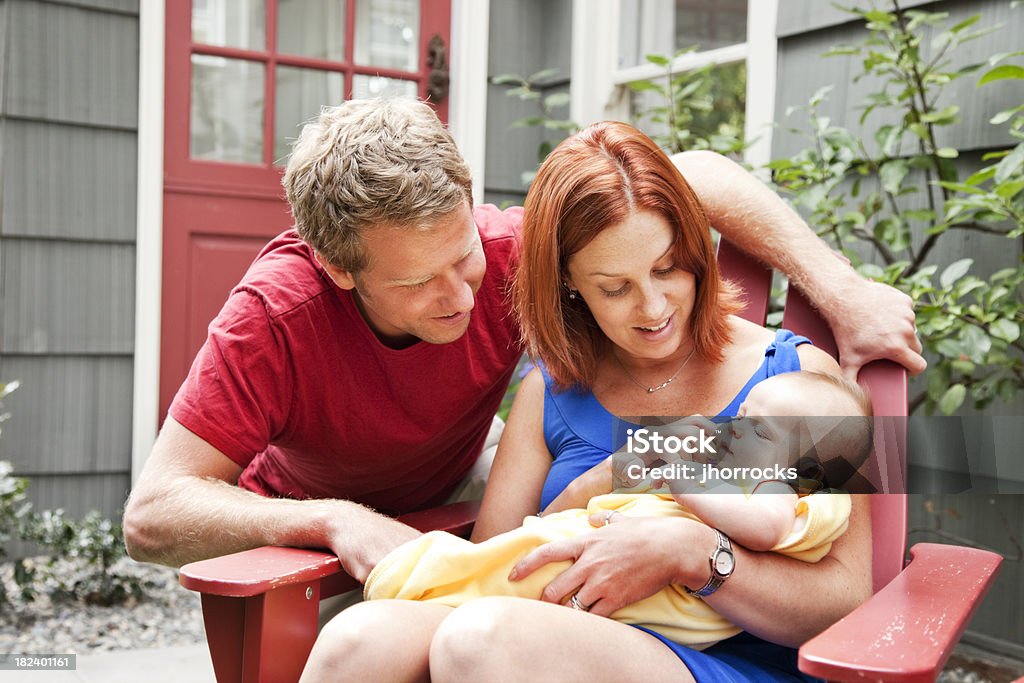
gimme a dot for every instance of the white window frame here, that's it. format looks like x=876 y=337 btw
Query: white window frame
x=600 y=89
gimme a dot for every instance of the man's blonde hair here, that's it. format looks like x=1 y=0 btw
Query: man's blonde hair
x=368 y=163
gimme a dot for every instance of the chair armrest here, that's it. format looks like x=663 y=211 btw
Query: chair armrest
x=256 y=571
x=907 y=630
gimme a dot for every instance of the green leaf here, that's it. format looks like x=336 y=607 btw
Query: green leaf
x=879 y=17
x=871 y=270
x=1011 y=164
x=952 y=399
x=981 y=176
x=949 y=348
x=1009 y=189
x=969 y=21
x=1005 y=115
x=543 y=75
x=943 y=117
x=1001 y=73
x=976 y=342
x=505 y=79
x=641 y=86
x=964 y=366
x=820 y=94
x=528 y=122
x=892 y=174
x=523 y=92
x=1000 y=56
x=559 y=124
x=558 y=99
x=919 y=215
x=1005 y=329
x=659 y=60
x=955 y=271
x=947 y=153
x=838 y=50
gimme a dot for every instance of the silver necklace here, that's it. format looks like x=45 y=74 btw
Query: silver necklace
x=659 y=387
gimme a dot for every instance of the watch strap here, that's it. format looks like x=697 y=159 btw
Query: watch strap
x=716 y=579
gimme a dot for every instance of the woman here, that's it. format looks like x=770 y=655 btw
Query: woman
x=619 y=298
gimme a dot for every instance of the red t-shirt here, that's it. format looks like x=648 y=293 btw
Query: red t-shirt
x=293 y=385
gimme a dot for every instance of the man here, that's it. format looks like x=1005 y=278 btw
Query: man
x=358 y=364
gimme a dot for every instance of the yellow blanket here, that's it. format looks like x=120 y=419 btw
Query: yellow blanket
x=442 y=568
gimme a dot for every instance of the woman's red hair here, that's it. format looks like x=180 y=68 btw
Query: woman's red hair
x=591 y=181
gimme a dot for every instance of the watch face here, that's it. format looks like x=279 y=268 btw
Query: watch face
x=724 y=563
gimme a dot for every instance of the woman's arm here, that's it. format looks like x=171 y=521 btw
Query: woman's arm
x=788 y=601
x=520 y=465
x=780 y=599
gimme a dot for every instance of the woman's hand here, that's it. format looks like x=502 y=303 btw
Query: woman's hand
x=624 y=560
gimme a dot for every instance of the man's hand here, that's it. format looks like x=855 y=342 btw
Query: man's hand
x=870 y=321
x=364 y=543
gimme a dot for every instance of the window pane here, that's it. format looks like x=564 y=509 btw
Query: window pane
x=232 y=23
x=712 y=115
x=664 y=26
x=312 y=28
x=300 y=95
x=710 y=24
x=387 y=33
x=367 y=87
x=227 y=109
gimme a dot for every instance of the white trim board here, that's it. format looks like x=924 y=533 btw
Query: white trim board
x=762 y=67
x=467 y=104
x=149 y=233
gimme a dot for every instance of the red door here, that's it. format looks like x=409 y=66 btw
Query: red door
x=241 y=77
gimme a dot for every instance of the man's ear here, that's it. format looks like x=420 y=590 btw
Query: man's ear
x=342 y=278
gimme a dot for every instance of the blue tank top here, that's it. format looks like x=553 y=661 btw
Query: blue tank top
x=580 y=433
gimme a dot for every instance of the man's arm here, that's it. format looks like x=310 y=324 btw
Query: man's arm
x=186 y=507
x=870 y=320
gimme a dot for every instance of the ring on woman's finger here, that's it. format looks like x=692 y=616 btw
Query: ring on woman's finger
x=575 y=603
x=608 y=517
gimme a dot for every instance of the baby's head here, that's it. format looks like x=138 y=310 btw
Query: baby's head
x=803 y=416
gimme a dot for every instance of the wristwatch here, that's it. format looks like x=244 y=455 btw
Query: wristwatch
x=722 y=562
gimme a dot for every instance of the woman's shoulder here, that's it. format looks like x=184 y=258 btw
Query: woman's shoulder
x=747 y=338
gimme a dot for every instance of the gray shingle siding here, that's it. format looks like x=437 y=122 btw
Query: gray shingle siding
x=68 y=115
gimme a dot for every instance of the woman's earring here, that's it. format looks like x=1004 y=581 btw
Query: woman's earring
x=572 y=294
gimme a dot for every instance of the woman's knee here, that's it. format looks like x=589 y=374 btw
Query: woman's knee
x=477 y=641
x=358 y=636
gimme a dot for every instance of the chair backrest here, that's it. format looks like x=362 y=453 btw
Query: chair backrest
x=886 y=383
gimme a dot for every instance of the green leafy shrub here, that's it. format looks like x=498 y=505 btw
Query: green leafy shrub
x=92 y=547
x=533 y=89
x=904 y=196
x=699 y=108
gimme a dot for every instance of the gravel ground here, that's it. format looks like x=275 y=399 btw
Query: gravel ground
x=168 y=615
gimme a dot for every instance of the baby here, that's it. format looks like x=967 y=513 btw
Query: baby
x=758 y=514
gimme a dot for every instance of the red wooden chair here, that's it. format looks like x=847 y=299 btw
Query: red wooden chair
x=260 y=606
x=907 y=630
